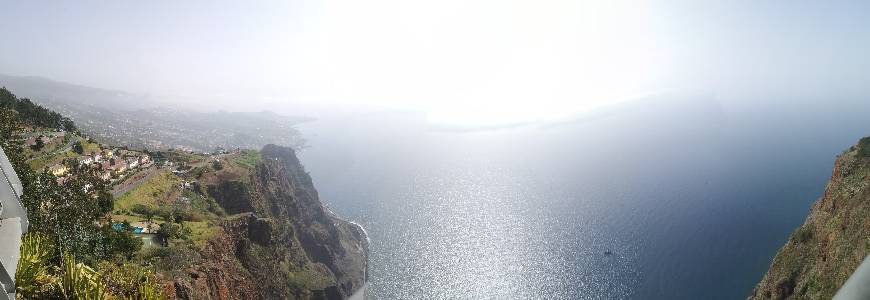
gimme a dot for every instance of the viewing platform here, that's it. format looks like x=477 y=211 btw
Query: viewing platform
x=13 y=223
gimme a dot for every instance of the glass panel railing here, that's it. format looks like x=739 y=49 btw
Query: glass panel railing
x=858 y=285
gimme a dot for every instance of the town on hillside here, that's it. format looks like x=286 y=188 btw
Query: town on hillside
x=148 y=186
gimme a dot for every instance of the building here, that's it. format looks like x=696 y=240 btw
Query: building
x=118 y=165
x=13 y=224
x=58 y=170
x=132 y=163
x=85 y=160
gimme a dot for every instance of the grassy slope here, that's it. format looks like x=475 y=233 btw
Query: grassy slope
x=247 y=158
x=154 y=192
x=49 y=160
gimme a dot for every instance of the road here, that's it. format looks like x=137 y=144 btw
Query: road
x=59 y=150
x=125 y=186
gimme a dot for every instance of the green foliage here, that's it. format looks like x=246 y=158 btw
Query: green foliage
x=63 y=218
x=130 y=281
x=169 y=231
x=217 y=165
x=172 y=259
x=9 y=126
x=308 y=279
x=35 y=278
x=142 y=209
x=80 y=281
x=152 y=192
x=34 y=114
x=177 y=156
x=804 y=233
x=864 y=147
x=248 y=158
x=32 y=276
x=38 y=145
x=119 y=242
x=78 y=148
x=69 y=214
x=174 y=214
x=105 y=201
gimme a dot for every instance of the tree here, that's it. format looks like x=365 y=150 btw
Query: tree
x=170 y=231
x=78 y=148
x=120 y=243
x=38 y=145
x=70 y=213
x=105 y=200
x=34 y=114
x=217 y=165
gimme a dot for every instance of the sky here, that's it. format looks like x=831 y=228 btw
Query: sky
x=474 y=62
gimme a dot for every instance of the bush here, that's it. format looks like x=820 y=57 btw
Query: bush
x=132 y=281
x=169 y=231
x=864 y=147
x=174 y=258
x=142 y=209
x=804 y=234
x=217 y=165
x=78 y=148
x=39 y=144
x=120 y=243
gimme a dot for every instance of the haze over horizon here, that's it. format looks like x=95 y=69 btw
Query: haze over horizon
x=478 y=62
x=453 y=149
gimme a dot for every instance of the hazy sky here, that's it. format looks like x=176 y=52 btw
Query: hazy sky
x=463 y=61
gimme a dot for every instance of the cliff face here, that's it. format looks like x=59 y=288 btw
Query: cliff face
x=279 y=242
x=823 y=252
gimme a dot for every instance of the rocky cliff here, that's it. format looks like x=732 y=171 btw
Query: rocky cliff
x=278 y=240
x=823 y=252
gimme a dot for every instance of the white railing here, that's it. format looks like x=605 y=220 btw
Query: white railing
x=13 y=223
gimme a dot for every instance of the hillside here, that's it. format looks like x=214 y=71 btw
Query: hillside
x=147 y=122
x=276 y=241
x=823 y=252
x=172 y=224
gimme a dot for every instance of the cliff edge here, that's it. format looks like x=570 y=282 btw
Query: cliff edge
x=821 y=254
x=278 y=240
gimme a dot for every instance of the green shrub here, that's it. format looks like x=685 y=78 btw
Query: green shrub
x=864 y=147
x=142 y=209
x=130 y=281
x=33 y=276
x=804 y=234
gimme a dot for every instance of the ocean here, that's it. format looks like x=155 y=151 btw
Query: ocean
x=686 y=198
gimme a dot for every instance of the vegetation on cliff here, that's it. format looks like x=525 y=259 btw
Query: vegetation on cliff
x=276 y=241
x=242 y=225
x=66 y=232
x=34 y=114
x=823 y=252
